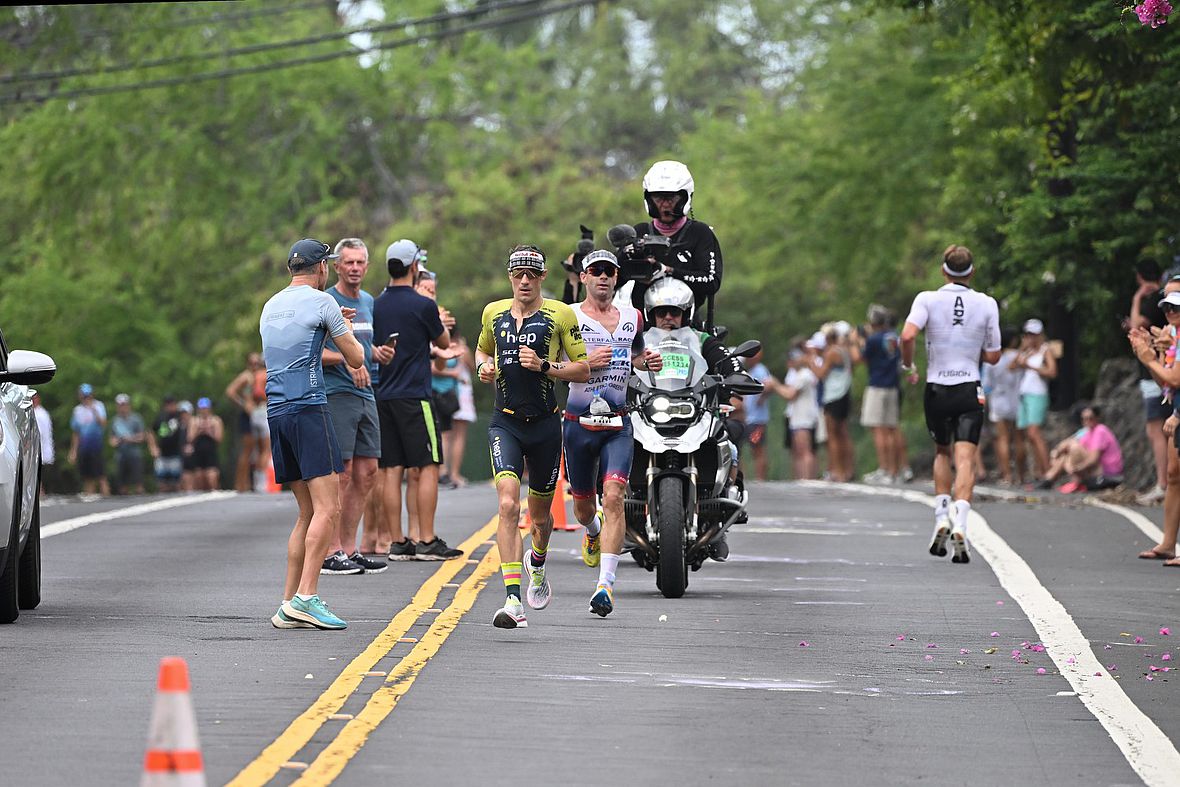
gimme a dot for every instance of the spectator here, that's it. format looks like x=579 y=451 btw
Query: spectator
x=45 y=428
x=444 y=383
x=757 y=410
x=455 y=441
x=881 y=409
x=127 y=438
x=1145 y=313
x=1001 y=386
x=248 y=391
x=188 y=470
x=1090 y=456
x=802 y=412
x=166 y=444
x=839 y=356
x=88 y=423
x=409 y=427
x=205 y=433
x=1038 y=366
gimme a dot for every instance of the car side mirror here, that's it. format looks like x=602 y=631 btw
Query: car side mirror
x=26 y=367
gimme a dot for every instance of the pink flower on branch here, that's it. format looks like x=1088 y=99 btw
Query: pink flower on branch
x=1153 y=12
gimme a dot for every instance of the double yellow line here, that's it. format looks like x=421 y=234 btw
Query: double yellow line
x=352 y=736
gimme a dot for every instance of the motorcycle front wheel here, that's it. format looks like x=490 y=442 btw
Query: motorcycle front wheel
x=671 y=572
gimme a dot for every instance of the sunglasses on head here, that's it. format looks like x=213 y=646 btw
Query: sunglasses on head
x=601 y=269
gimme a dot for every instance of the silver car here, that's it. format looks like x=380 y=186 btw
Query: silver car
x=20 y=480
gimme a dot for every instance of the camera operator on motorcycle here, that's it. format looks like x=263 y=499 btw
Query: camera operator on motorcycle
x=597 y=436
x=692 y=256
x=669 y=305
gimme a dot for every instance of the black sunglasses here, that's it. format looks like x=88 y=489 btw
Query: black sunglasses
x=602 y=270
x=1170 y=307
x=666 y=311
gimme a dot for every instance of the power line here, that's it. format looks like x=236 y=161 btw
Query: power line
x=266 y=47
x=309 y=60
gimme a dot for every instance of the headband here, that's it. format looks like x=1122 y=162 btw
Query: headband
x=958 y=274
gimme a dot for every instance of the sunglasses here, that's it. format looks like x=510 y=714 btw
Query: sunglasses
x=666 y=311
x=602 y=270
x=1169 y=307
x=521 y=273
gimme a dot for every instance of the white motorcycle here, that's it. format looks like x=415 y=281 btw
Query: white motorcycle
x=682 y=496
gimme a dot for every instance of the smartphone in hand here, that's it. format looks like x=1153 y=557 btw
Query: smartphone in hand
x=391 y=339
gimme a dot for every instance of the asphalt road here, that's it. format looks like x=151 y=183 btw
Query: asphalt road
x=830 y=648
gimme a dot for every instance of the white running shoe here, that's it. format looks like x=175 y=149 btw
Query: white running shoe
x=959 y=544
x=539 y=592
x=942 y=531
x=511 y=616
x=1151 y=497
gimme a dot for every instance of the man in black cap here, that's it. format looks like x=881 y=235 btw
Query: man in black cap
x=410 y=437
x=295 y=324
x=165 y=442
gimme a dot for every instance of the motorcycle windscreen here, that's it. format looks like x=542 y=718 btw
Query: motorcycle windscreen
x=684 y=366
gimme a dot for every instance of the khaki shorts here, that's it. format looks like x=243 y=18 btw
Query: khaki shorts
x=880 y=407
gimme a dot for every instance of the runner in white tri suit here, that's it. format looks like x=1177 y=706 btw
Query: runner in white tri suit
x=596 y=433
x=962 y=331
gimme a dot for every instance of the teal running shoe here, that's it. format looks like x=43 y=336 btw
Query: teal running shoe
x=602 y=602
x=313 y=611
x=281 y=620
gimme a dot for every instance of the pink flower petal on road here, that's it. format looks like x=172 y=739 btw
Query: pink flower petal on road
x=1038 y=648
x=994 y=634
x=805 y=644
x=963 y=651
x=1026 y=644
x=1112 y=667
x=1165 y=631
x=1166 y=657
x=1097 y=674
x=901 y=638
x=1138 y=640
x=1154 y=668
x=1148 y=678
x=1107 y=647
x=1071 y=660
x=999 y=603
x=1040 y=670
x=929 y=657
x=1016 y=653
x=931 y=645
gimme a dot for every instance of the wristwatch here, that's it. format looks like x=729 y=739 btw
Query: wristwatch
x=545 y=365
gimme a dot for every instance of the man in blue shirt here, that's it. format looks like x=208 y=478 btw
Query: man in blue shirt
x=410 y=437
x=881 y=408
x=354 y=410
x=295 y=324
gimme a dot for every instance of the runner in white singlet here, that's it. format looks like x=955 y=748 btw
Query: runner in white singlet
x=962 y=331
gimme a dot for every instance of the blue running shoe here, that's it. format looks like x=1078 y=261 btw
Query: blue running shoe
x=281 y=620
x=313 y=611
x=602 y=602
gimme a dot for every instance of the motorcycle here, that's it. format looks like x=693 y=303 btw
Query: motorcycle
x=682 y=496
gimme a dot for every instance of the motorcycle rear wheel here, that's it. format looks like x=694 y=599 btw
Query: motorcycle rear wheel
x=671 y=572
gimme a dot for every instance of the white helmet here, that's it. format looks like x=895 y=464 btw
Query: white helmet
x=668 y=176
x=668 y=292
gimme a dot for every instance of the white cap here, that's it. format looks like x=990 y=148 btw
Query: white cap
x=1034 y=326
x=404 y=251
x=122 y=399
x=1172 y=298
x=817 y=341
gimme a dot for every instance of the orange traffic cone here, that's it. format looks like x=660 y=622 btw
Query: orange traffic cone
x=272 y=486
x=561 y=521
x=173 y=756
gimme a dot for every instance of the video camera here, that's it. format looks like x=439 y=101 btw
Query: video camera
x=586 y=245
x=640 y=258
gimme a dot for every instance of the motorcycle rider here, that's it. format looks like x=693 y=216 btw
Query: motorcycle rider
x=695 y=256
x=595 y=431
x=668 y=305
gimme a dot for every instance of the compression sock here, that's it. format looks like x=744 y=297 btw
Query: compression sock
x=960 y=511
x=539 y=554
x=607 y=569
x=595 y=526
x=511 y=572
x=942 y=504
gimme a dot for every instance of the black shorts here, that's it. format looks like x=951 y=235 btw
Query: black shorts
x=91 y=464
x=515 y=443
x=841 y=408
x=954 y=413
x=410 y=436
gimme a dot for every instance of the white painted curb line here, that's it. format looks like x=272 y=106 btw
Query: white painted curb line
x=66 y=525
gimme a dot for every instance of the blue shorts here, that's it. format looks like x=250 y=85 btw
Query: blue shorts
x=591 y=455
x=1032 y=410
x=303 y=445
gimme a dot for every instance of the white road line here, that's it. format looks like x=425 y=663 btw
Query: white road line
x=66 y=525
x=1145 y=525
x=1148 y=751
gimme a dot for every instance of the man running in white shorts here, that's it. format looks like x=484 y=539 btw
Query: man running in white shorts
x=962 y=330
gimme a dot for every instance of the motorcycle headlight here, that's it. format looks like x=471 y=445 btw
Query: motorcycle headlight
x=662 y=409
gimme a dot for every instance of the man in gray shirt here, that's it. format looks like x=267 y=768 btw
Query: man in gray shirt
x=295 y=324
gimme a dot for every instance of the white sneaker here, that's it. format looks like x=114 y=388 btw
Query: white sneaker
x=959 y=545
x=942 y=531
x=511 y=616
x=878 y=476
x=538 y=592
x=907 y=475
x=1151 y=497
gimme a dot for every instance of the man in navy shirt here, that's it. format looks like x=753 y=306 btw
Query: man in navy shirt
x=410 y=437
x=881 y=408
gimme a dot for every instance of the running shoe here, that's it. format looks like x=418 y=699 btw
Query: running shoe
x=959 y=544
x=369 y=565
x=435 y=550
x=281 y=620
x=942 y=531
x=1070 y=487
x=511 y=616
x=906 y=475
x=602 y=602
x=338 y=563
x=401 y=550
x=539 y=592
x=1151 y=497
x=313 y=611
x=591 y=549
